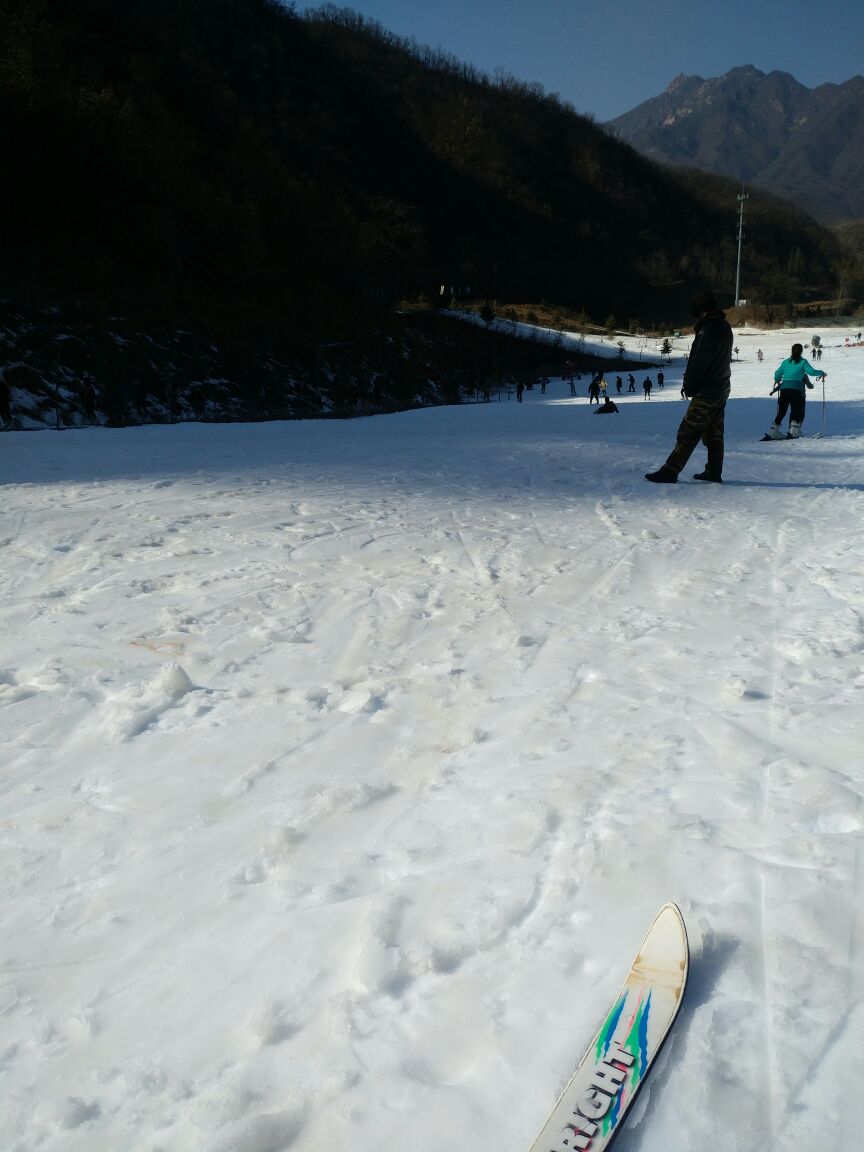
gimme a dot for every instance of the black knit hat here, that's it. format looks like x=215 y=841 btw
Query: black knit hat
x=704 y=302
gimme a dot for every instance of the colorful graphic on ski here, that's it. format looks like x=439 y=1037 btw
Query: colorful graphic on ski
x=592 y=1108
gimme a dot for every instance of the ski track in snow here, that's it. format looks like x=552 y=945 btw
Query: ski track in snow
x=344 y=766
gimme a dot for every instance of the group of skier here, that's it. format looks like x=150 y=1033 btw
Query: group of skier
x=707 y=382
x=598 y=387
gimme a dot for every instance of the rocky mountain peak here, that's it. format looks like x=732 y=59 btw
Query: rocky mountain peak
x=764 y=128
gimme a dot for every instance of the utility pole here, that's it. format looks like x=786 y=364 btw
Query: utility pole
x=742 y=196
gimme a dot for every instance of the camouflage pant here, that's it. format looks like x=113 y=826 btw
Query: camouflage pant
x=703 y=421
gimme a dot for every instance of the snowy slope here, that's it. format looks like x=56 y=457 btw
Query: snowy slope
x=344 y=766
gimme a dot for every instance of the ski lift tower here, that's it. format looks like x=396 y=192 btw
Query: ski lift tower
x=742 y=196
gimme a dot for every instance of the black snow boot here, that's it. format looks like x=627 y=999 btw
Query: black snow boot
x=709 y=476
x=664 y=475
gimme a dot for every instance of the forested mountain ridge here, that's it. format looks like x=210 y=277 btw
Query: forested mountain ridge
x=232 y=165
x=768 y=130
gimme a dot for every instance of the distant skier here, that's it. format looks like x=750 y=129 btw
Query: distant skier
x=631 y=386
x=594 y=391
x=520 y=388
x=88 y=399
x=707 y=382
x=608 y=405
x=759 y=355
x=646 y=387
x=619 y=384
x=790 y=380
x=660 y=378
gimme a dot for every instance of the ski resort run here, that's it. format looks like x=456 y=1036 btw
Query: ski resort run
x=346 y=764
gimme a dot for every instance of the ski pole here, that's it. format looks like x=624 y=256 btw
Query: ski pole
x=823 y=405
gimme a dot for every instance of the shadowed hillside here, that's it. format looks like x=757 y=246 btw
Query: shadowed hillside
x=230 y=167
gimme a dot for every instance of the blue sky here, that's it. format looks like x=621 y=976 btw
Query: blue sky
x=607 y=57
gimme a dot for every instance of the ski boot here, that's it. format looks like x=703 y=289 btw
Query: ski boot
x=794 y=429
x=664 y=475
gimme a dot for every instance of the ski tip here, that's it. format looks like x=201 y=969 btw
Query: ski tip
x=670 y=907
x=680 y=915
x=671 y=914
x=675 y=909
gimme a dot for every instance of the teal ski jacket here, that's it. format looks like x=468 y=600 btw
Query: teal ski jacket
x=791 y=374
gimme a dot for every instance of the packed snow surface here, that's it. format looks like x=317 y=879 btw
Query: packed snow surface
x=345 y=764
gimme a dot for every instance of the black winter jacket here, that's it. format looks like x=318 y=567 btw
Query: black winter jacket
x=708 y=372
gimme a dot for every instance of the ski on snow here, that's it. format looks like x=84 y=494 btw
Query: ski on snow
x=592 y=1108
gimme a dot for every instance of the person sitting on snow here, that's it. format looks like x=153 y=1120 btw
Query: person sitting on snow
x=608 y=405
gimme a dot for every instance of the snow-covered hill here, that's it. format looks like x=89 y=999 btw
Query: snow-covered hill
x=344 y=765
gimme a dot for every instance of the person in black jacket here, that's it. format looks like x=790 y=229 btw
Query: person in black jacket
x=707 y=383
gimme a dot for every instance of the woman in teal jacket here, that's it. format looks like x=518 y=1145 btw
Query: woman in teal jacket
x=790 y=380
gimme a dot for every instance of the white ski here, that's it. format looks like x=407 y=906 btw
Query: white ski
x=592 y=1108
